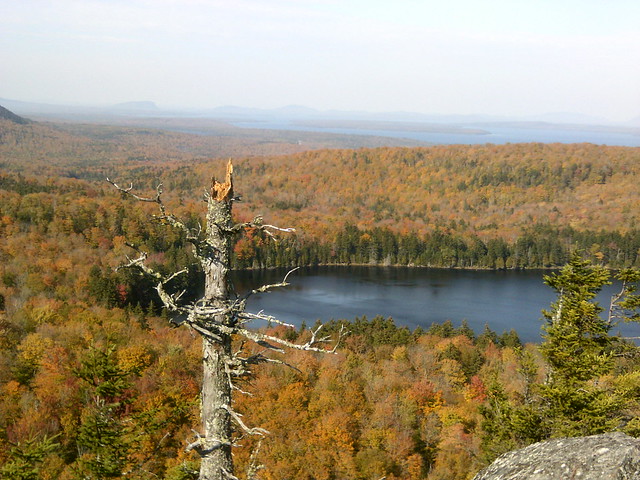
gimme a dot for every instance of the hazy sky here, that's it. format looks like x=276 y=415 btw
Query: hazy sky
x=505 y=57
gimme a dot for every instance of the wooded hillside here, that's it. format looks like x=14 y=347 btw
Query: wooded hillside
x=491 y=191
x=488 y=190
x=85 y=348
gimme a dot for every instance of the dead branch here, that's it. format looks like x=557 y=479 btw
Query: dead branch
x=199 y=316
x=204 y=446
x=254 y=467
x=613 y=306
x=241 y=302
x=251 y=431
x=247 y=316
x=228 y=475
x=274 y=343
x=238 y=366
x=128 y=191
x=258 y=224
x=220 y=317
x=192 y=236
x=266 y=288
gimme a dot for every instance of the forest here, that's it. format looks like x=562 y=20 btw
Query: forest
x=97 y=382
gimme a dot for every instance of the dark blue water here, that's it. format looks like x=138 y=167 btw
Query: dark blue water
x=497 y=135
x=412 y=297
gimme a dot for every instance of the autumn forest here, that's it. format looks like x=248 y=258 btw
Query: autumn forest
x=97 y=381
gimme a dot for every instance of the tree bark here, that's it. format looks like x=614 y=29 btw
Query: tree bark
x=217 y=316
x=217 y=463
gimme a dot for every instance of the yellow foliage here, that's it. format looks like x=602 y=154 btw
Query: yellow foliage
x=415 y=465
x=374 y=438
x=400 y=353
x=33 y=347
x=293 y=396
x=134 y=358
x=452 y=371
x=44 y=314
x=11 y=388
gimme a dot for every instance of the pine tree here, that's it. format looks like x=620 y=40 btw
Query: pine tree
x=25 y=458
x=578 y=349
x=104 y=436
x=580 y=394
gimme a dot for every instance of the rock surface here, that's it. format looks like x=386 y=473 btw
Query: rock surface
x=611 y=456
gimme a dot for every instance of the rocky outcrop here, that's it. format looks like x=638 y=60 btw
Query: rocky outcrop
x=611 y=456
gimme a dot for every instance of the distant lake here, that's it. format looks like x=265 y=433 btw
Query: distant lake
x=497 y=135
x=412 y=297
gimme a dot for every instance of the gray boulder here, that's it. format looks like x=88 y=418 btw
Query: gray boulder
x=611 y=456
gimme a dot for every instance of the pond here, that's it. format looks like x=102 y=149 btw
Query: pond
x=412 y=297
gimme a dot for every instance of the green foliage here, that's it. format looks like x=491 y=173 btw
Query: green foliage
x=537 y=246
x=579 y=395
x=470 y=359
x=466 y=330
x=510 y=339
x=626 y=305
x=497 y=427
x=25 y=458
x=572 y=409
x=509 y=423
x=99 y=368
x=444 y=329
x=576 y=340
x=184 y=471
x=486 y=337
x=104 y=436
x=372 y=333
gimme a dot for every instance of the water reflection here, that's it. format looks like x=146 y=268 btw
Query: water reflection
x=411 y=296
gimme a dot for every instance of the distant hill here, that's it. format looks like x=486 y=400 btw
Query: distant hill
x=567 y=118
x=136 y=106
x=12 y=117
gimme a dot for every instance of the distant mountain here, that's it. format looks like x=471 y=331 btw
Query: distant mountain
x=232 y=111
x=296 y=111
x=298 y=114
x=301 y=113
x=46 y=109
x=12 y=117
x=244 y=113
x=83 y=112
x=567 y=117
x=143 y=106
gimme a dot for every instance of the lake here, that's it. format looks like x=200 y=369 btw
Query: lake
x=497 y=135
x=411 y=296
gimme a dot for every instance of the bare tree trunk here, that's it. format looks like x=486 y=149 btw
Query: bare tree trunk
x=217 y=463
x=217 y=316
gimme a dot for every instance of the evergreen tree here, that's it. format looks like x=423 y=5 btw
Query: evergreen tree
x=466 y=330
x=25 y=459
x=104 y=437
x=578 y=349
x=486 y=337
x=579 y=396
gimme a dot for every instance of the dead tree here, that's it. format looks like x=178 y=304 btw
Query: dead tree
x=218 y=317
